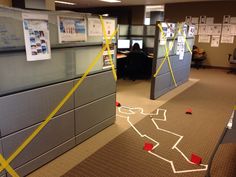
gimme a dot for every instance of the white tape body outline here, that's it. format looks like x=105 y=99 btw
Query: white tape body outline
x=131 y=112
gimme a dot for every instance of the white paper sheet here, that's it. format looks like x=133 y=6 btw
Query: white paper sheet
x=209 y=20
x=202 y=20
x=71 y=29
x=202 y=29
x=226 y=29
x=195 y=20
x=204 y=38
x=36 y=33
x=226 y=19
x=216 y=29
x=215 y=41
x=94 y=27
x=227 y=39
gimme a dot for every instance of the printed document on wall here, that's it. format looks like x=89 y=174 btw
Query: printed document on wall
x=226 y=29
x=106 y=58
x=36 y=34
x=215 y=41
x=216 y=29
x=110 y=26
x=227 y=39
x=204 y=38
x=94 y=27
x=71 y=29
x=195 y=20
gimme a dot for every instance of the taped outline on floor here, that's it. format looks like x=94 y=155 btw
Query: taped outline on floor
x=131 y=112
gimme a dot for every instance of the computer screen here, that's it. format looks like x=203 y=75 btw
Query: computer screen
x=123 y=44
x=139 y=41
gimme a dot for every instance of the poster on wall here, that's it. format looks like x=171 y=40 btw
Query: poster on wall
x=202 y=29
x=170 y=30
x=163 y=36
x=233 y=29
x=215 y=41
x=180 y=47
x=106 y=59
x=204 y=38
x=216 y=29
x=209 y=20
x=195 y=20
x=226 y=29
x=94 y=27
x=233 y=20
x=227 y=39
x=188 y=19
x=110 y=26
x=226 y=19
x=36 y=34
x=191 y=30
x=202 y=20
x=71 y=29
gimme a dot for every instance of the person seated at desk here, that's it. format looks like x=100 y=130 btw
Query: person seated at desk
x=199 y=55
x=137 y=63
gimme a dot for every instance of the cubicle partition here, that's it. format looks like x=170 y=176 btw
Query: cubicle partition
x=30 y=90
x=179 y=57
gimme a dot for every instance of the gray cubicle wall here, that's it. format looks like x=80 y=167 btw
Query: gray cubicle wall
x=181 y=68
x=29 y=91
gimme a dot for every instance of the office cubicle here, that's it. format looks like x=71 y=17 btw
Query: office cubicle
x=30 y=90
x=180 y=59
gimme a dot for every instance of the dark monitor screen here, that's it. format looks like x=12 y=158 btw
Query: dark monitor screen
x=123 y=44
x=139 y=41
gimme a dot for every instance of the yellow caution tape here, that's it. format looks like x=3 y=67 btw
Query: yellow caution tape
x=5 y=164
x=167 y=56
x=108 y=48
x=235 y=107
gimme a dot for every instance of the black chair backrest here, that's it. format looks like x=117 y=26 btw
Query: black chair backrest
x=234 y=54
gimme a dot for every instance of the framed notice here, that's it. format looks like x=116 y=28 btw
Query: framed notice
x=72 y=29
x=36 y=34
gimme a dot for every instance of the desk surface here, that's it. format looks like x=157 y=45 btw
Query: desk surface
x=120 y=55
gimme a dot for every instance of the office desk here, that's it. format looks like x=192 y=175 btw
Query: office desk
x=228 y=136
x=120 y=55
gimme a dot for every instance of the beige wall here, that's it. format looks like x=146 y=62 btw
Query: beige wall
x=6 y=2
x=177 y=13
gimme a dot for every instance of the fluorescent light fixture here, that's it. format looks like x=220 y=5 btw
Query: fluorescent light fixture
x=111 y=1
x=64 y=2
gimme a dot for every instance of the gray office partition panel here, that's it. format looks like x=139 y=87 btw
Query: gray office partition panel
x=1 y=152
x=93 y=113
x=24 y=109
x=59 y=130
x=163 y=82
x=39 y=161
x=95 y=87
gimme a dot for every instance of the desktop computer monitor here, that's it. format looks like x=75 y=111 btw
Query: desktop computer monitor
x=139 y=41
x=123 y=43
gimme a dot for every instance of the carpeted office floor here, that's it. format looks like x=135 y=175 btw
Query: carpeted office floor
x=211 y=99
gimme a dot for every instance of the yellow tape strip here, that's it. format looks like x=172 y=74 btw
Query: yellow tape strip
x=108 y=48
x=50 y=116
x=6 y=166
x=163 y=61
x=235 y=107
x=167 y=55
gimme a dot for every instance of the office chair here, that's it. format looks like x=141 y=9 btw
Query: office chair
x=198 y=57
x=232 y=61
x=137 y=65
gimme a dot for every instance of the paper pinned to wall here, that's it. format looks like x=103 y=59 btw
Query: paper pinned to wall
x=202 y=20
x=94 y=27
x=188 y=19
x=191 y=30
x=233 y=20
x=227 y=39
x=215 y=41
x=209 y=20
x=110 y=26
x=195 y=20
x=72 y=29
x=216 y=29
x=202 y=29
x=204 y=38
x=226 y=29
x=36 y=33
x=226 y=19
x=233 y=29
